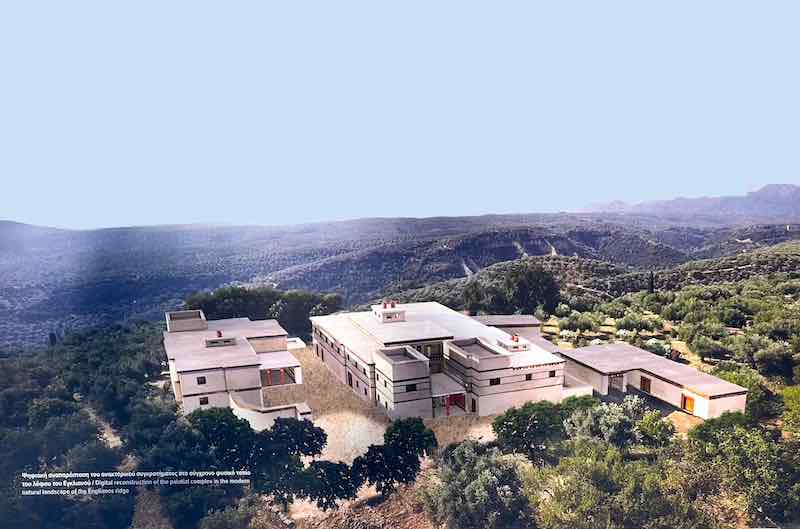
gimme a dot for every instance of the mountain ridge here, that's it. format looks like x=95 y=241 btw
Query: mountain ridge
x=772 y=202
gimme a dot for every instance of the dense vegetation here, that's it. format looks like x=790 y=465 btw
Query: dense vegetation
x=52 y=404
x=580 y=463
x=586 y=282
x=292 y=309
x=585 y=464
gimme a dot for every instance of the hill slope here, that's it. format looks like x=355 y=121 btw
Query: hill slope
x=600 y=280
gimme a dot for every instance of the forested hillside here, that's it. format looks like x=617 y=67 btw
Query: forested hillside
x=53 y=281
x=590 y=281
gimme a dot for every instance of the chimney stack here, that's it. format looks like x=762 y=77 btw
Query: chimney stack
x=219 y=334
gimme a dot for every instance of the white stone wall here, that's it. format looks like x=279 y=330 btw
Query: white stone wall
x=215 y=381
x=215 y=400
x=719 y=406
x=500 y=402
x=588 y=376
x=242 y=378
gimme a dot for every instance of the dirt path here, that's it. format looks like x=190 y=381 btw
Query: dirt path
x=109 y=436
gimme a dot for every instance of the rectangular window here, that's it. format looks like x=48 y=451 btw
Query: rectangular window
x=529 y=377
x=474 y=406
x=411 y=387
x=365 y=391
x=201 y=381
x=203 y=401
x=385 y=384
x=552 y=374
x=644 y=384
x=494 y=382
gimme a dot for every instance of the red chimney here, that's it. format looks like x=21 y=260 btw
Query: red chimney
x=219 y=334
x=514 y=338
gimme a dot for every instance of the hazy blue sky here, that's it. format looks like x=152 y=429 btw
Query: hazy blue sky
x=121 y=113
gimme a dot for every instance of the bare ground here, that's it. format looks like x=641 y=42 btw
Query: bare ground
x=148 y=513
x=399 y=511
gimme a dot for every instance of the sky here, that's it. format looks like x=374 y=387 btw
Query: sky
x=142 y=113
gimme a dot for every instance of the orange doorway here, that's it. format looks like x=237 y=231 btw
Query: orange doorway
x=687 y=403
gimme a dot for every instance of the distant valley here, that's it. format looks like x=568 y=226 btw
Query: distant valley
x=54 y=280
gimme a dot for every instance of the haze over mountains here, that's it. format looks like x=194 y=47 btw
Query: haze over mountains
x=53 y=279
x=771 y=203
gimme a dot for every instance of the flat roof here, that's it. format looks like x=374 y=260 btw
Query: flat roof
x=508 y=320
x=363 y=332
x=479 y=349
x=403 y=354
x=621 y=357
x=396 y=332
x=189 y=352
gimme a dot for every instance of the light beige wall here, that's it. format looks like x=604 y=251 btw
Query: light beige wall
x=215 y=400
x=665 y=391
x=215 y=381
x=500 y=402
x=243 y=377
x=187 y=325
x=252 y=397
x=417 y=408
x=265 y=419
x=721 y=405
x=597 y=380
x=173 y=377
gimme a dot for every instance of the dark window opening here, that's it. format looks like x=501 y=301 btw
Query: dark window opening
x=411 y=387
x=201 y=381
x=494 y=382
x=529 y=377
x=203 y=400
x=552 y=374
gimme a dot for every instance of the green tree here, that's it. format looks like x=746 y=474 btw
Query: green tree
x=411 y=435
x=42 y=409
x=530 y=429
x=594 y=486
x=91 y=456
x=530 y=287
x=328 y=483
x=397 y=461
x=755 y=462
x=277 y=458
x=233 y=517
x=759 y=399
x=476 y=488
x=228 y=440
x=473 y=296
x=614 y=423
x=654 y=430
x=791 y=414
x=386 y=467
x=708 y=430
